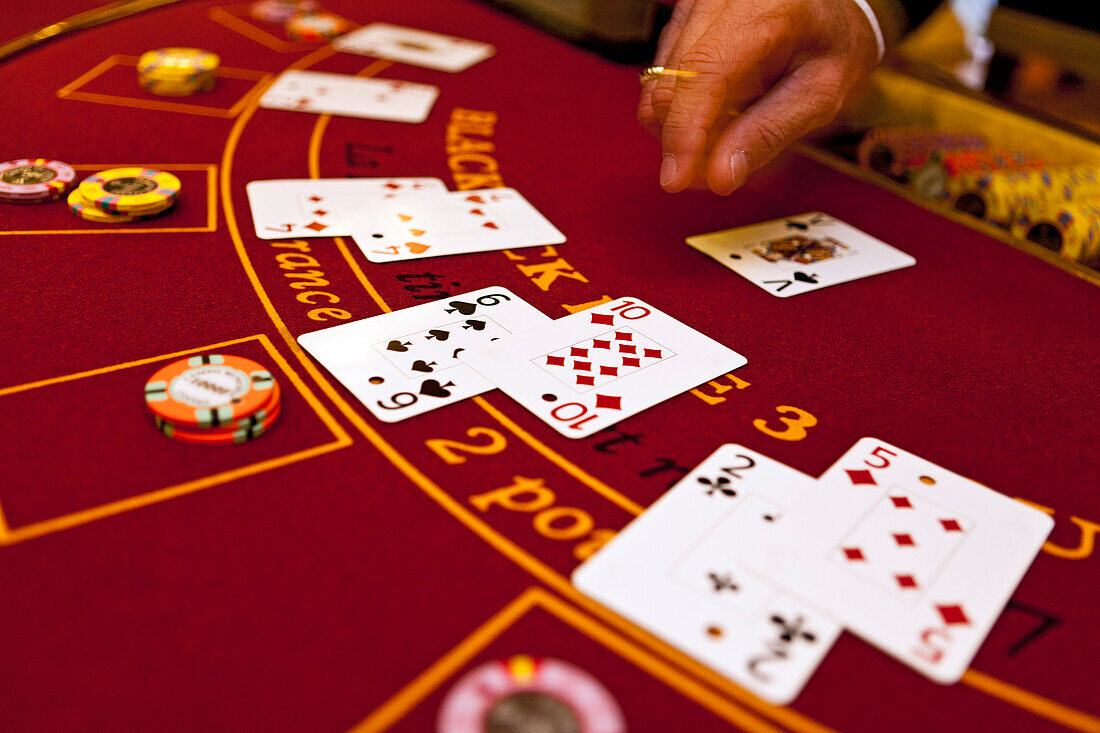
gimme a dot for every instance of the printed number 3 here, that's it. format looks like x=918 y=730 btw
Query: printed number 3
x=795 y=426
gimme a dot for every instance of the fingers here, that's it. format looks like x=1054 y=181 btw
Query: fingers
x=807 y=98
x=699 y=100
x=670 y=35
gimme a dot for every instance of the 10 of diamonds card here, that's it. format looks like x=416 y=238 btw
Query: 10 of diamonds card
x=682 y=571
x=588 y=370
x=406 y=363
x=800 y=254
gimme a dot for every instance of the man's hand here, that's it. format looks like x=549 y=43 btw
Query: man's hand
x=767 y=72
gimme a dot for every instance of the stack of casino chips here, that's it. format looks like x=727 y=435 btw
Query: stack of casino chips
x=1072 y=229
x=942 y=175
x=121 y=195
x=34 y=180
x=177 y=72
x=1000 y=197
x=213 y=399
x=303 y=20
x=888 y=150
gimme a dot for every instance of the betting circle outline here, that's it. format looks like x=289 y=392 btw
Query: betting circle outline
x=473 y=696
x=108 y=189
x=208 y=390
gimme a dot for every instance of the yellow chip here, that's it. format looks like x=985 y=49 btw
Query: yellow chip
x=128 y=190
x=176 y=63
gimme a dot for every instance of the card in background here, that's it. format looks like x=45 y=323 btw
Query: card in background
x=458 y=222
x=800 y=254
x=913 y=558
x=405 y=363
x=295 y=208
x=679 y=572
x=350 y=96
x=414 y=46
x=591 y=369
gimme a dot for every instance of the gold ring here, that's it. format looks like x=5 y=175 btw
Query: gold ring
x=656 y=72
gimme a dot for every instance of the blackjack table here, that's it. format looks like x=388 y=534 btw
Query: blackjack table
x=343 y=573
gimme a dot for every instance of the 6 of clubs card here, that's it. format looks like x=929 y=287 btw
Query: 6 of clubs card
x=800 y=254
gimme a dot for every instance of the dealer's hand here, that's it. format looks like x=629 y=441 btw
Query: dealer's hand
x=787 y=65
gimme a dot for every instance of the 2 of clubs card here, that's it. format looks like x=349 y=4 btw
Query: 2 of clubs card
x=800 y=254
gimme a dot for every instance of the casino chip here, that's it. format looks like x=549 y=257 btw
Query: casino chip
x=177 y=72
x=246 y=429
x=34 y=180
x=523 y=693
x=280 y=11
x=131 y=191
x=320 y=26
x=210 y=391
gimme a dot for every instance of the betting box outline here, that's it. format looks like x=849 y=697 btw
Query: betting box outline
x=69 y=91
x=452 y=662
x=211 y=202
x=9 y=536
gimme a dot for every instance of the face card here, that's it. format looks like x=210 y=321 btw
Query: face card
x=800 y=254
x=677 y=571
x=306 y=207
x=591 y=369
x=458 y=222
x=350 y=96
x=413 y=46
x=406 y=363
x=915 y=559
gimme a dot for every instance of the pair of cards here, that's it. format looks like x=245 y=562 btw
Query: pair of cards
x=800 y=254
x=394 y=219
x=753 y=568
x=350 y=96
x=414 y=46
x=578 y=374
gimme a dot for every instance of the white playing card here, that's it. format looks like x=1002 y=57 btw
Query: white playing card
x=915 y=559
x=588 y=370
x=678 y=572
x=454 y=223
x=306 y=207
x=350 y=96
x=800 y=254
x=405 y=363
x=413 y=46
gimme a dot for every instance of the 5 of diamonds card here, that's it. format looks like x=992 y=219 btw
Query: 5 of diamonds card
x=591 y=369
x=915 y=559
x=405 y=363
x=800 y=254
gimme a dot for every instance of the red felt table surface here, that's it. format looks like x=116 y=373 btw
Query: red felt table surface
x=335 y=572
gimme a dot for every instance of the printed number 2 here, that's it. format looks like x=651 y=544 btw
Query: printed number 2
x=795 y=426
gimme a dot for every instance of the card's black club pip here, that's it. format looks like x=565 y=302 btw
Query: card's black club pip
x=438 y=334
x=476 y=325
x=433 y=388
x=720 y=484
x=423 y=366
x=466 y=309
x=804 y=278
x=397 y=345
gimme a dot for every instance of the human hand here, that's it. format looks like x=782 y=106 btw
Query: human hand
x=787 y=65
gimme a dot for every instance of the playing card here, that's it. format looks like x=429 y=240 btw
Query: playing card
x=678 y=571
x=405 y=363
x=453 y=223
x=915 y=559
x=413 y=46
x=309 y=207
x=350 y=96
x=800 y=254
x=593 y=368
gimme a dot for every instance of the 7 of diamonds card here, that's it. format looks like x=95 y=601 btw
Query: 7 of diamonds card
x=588 y=370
